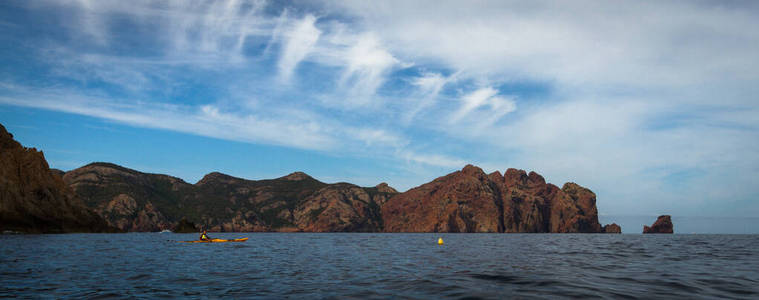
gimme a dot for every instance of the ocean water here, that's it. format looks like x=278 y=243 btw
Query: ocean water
x=361 y=265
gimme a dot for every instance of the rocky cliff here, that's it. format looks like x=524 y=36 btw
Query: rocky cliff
x=34 y=198
x=663 y=224
x=343 y=207
x=185 y=226
x=127 y=199
x=472 y=201
x=612 y=228
x=464 y=201
x=137 y=201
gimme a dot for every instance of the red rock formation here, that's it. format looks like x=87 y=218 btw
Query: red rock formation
x=612 y=228
x=471 y=201
x=585 y=216
x=35 y=199
x=663 y=224
x=463 y=201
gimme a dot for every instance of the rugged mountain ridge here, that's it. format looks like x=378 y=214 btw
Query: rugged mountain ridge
x=34 y=198
x=464 y=201
x=472 y=201
x=137 y=201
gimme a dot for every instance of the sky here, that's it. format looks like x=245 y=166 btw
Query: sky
x=651 y=104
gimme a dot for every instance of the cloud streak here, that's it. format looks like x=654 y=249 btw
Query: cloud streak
x=299 y=42
x=630 y=96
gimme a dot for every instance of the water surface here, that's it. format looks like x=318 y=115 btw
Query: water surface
x=356 y=265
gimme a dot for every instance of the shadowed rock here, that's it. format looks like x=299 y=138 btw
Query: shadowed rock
x=612 y=228
x=137 y=201
x=34 y=198
x=663 y=224
x=185 y=226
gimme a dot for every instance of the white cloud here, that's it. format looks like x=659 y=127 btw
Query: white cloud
x=299 y=42
x=430 y=83
x=377 y=138
x=367 y=64
x=637 y=92
x=485 y=97
x=206 y=120
x=429 y=86
x=629 y=44
x=433 y=159
x=202 y=33
x=274 y=126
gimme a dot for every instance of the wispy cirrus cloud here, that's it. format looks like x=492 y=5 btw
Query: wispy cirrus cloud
x=299 y=41
x=485 y=104
x=630 y=97
x=429 y=85
x=206 y=120
x=367 y=64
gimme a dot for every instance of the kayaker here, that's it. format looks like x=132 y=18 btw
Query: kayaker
x=204 y=236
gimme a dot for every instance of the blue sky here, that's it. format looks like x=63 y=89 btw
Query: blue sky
x=652 y=105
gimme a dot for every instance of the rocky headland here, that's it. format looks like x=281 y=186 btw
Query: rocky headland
x=102 y=196
x=472 y=201
x=663 y=224
x=34 y=198
x=136 y=201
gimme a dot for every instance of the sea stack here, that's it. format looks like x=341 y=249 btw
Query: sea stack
x=611 y=228
x=663 y=224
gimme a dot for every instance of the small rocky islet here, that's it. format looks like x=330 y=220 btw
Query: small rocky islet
x=104 y=197
x=663 y=224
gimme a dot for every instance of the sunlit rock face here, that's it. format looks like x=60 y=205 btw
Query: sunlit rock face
x=612 y=228
x=464 y=201
x=472 y=201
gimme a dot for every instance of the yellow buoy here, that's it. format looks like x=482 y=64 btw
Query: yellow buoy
x=440 y=241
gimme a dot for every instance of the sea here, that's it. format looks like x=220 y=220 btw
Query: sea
x=380 y=265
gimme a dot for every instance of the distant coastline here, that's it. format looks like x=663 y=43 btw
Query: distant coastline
x=128 y=200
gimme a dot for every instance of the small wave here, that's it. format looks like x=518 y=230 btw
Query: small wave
x=497 y=278
x=184 y=280
x=139 y=277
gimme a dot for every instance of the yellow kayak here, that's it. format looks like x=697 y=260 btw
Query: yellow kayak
x=215 y=241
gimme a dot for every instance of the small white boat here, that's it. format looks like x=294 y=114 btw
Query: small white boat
x=166 y=231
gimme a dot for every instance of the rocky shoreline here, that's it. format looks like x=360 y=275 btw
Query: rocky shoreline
x=104 y=197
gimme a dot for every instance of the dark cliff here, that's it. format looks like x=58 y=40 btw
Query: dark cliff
x=34 y=198
x=137 y=201
x=663 y=224
x=104 y=196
